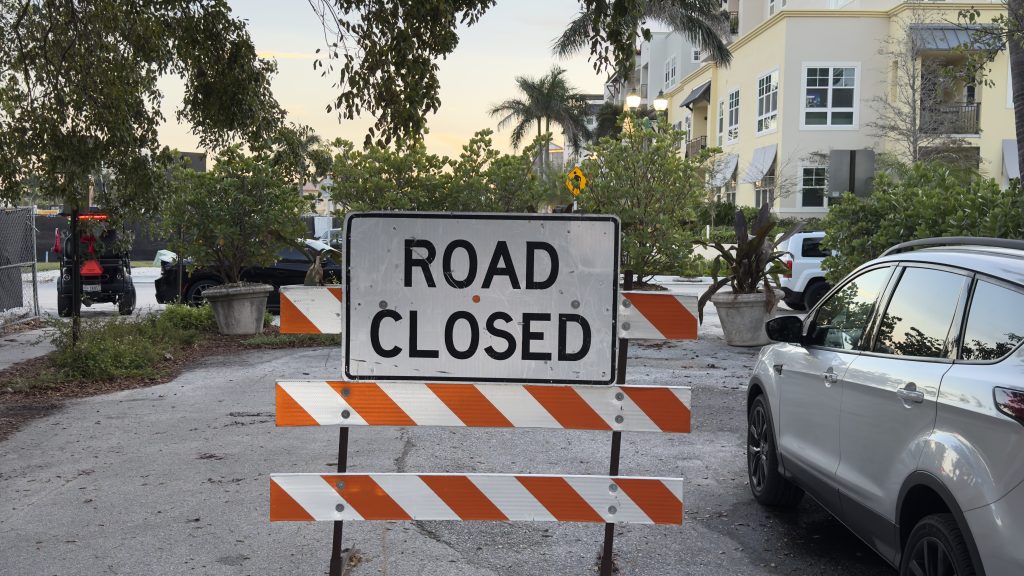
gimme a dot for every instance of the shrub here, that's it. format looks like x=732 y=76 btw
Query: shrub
x=183 y=317
x=921 y=201
x=695 y=266
x=239 y=214
x=116 y=348
x=641 y=178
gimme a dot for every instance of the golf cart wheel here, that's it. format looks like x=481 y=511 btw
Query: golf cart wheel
x=126 y=303
x=64 y=306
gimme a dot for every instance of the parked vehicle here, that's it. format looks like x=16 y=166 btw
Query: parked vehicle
x=105 y=271
x=290 y=269
x=898 y=404
x=805 y=283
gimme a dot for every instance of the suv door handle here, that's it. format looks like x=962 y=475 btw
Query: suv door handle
x=830 y=376
x=910 y=393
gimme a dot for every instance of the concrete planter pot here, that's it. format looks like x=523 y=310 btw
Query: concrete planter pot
x=239 y=309
x=743 y=317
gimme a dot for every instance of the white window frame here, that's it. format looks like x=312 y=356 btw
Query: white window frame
x=829 y=110
x=695 y=54
x=721 y=122
x=732 y=128
x=771 y=8
x=671 y=71
x=800 y=187
x=727 y=193
x=774 y=113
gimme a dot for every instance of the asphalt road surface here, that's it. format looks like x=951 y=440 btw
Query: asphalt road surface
x=173 y=479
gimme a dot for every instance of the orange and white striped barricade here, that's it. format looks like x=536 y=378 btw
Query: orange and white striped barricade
x=641 y=315
x=486 y=405
x=420 y=292
x=311 y=309
x=498 y=497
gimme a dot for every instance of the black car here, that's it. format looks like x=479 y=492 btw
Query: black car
x=290 y=269
x=105 y=272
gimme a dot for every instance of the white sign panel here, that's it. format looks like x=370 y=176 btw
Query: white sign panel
x=481 y=297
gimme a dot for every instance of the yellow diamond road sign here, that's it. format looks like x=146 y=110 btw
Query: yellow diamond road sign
x=576 y=181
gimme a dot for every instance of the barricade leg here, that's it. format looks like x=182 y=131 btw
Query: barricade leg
x=337 y=567
x=607 y=560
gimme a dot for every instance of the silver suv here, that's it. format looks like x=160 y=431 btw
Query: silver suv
x=898 y=404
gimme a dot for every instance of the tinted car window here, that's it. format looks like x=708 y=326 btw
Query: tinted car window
x=917 y=320
x=811 y=248
x=292 y=255
x=995 y=324
x=842 y=319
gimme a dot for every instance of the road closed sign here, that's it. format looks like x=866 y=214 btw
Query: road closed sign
x=481 y=297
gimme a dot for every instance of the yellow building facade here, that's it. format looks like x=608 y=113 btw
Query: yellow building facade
x=797 y=113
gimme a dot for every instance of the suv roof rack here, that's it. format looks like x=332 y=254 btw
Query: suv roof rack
x=956 y=241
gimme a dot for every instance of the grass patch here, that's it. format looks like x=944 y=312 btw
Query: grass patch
x=126 y=353
x=44 y=266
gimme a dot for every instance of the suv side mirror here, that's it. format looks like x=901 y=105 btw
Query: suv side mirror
x=785 y=329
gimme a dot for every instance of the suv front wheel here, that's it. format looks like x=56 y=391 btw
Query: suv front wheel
x=936 y=547
x=769 y=487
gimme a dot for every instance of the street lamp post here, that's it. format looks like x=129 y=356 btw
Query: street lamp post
x=633 y=100
x=661 y=103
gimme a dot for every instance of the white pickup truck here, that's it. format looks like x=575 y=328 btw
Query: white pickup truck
x=804 y=284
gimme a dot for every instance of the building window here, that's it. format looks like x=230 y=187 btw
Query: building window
x=812 y=187
x=695 y=55
x=771 y=7
x=721 y=121
x=670 y=71
x=830 y=96
x=734 y=117
x=767 y=102
x=727 y=193
x=764 y=189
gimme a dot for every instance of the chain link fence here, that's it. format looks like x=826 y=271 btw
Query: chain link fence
x=19 y=282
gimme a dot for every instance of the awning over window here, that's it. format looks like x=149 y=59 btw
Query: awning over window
x=764 y=157
x=702 y=92
x=952 y=36
x=1010 y=164
x=725 y=167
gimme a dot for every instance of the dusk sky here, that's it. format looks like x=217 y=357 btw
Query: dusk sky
x=513 y=38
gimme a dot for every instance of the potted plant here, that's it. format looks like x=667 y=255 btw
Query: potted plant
x=752 y=266
x=240 y=214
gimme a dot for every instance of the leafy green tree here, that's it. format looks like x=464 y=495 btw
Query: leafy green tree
x=299 y=154
x=391 y=178
x=78 y=92
x=923 y=200
x=702 y=22
x=482 y=179
x=239 y=214
x=486 y=180
x=547 y=99
x=641 y=178
x=384 y=55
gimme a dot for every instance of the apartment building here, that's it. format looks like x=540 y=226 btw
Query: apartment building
x=796 y=114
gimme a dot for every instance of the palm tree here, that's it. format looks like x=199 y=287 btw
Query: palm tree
x=703 y=22
x=547 y=99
